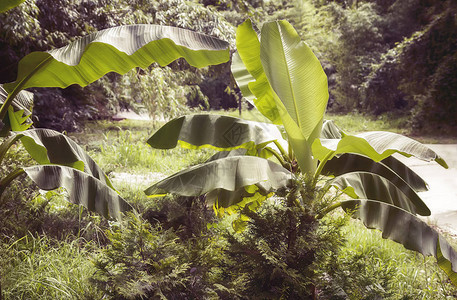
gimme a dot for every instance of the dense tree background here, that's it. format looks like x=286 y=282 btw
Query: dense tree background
x=381 y=56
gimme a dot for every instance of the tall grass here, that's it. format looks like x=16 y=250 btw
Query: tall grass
x=121 y=146
x=383 y=269
x=355 y=123
x=42 y=268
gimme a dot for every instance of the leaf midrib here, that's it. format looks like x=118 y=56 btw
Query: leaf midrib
x=289 y=78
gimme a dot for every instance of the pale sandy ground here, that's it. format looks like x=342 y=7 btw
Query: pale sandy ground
x=442 y=196
x=131 y=116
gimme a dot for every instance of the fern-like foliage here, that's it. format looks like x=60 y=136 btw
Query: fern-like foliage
x=164 y=257
x=284 y=251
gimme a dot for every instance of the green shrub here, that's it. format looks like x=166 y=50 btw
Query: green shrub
x=146 y=260
x=284 y=253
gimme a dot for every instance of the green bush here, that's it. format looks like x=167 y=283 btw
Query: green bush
x=284 y=253
x=175 y=257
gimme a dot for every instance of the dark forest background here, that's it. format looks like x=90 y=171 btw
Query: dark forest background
x=382 y=57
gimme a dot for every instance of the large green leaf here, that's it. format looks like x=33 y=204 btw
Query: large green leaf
x=243 y=78
x=47 y=146
x=405 y=173
x=83 y=189
x=406 y=229
x=376 y=145
x=214 y=131
x=248 y=72
x=296 y=76
x=364 y=185
x=116 y=49
x=299 y=84
x=389 y=168
x=230 y=173
x=9 y=4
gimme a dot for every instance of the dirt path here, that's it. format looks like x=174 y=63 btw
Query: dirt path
x=442 y=196
x=139 y=180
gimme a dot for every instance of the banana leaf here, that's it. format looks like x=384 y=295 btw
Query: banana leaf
x=364 y=185
x=48 y=146
x=248 y=72
x=390 y=168
x=214 y=131
x=295 y=74
x=404 y=228
x=408 y=175
x=300 y=87
x=377 y=145
x=230 y=173
x=242 y=78
x=83 y=189
x=330 y=130
x=118 y=49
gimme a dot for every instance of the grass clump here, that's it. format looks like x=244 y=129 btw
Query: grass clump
x=117 y=147
x=38 y=267
x=371 y=267
x=356 y=122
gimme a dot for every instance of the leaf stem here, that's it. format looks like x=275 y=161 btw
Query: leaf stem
x=278 y=156
x=19 y=87
x=281 y=149
x=291 y=152
x=10 y=177
x=6 y=145
x=8 y=101
x=328 y=209
x=321 y=167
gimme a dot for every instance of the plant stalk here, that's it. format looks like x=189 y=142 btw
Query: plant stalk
x=321 y=167
x=6 y=145
x=10 y=177
x=18 y=88
x=278 y=156
x=328 y=209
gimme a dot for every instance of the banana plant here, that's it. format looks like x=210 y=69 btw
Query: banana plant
x=280 y=75
x=61 y=162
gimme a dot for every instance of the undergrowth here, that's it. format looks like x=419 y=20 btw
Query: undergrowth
x=50 y=249
x=39 y=267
